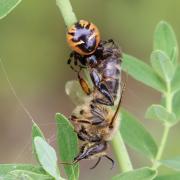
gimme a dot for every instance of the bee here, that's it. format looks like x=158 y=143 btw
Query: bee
x=95 y=125
x=102 y=59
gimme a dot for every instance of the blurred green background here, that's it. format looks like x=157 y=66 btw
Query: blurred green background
x=34 y=51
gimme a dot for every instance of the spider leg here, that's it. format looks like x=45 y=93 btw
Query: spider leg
x=75 y=58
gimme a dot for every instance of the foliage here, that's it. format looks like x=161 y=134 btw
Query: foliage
x=6 y=6
x=162 y=74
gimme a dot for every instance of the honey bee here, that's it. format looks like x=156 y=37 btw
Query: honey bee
x=95 y=125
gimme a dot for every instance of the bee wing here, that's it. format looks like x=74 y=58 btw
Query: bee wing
x=75 y=92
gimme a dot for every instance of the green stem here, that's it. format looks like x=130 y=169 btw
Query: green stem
x=67 y=12
x=167 y=126
x=169 y=98
x=162 y=146
x=121 y=153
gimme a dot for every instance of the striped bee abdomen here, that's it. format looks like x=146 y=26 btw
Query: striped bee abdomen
x=109 y=71
x=112 y=75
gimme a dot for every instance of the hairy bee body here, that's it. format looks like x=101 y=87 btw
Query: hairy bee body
x=93 y=120
x=94 y=127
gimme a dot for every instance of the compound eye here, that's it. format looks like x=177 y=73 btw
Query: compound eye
x=83 y=37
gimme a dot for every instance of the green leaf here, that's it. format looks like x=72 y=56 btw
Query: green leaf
x=68 y=145
x=26 y=175
x=176 y=102
x=136 y=136
x=176 y=81
x=174 y=58
x=47 y=157
x=6 y=168
x=142 y=72
x=175 y=176
x=158 y=112
x=172 y=163
x=162 y=65
x=165 y=40
x=36 y=131
x=144 y=173
x=6 y=6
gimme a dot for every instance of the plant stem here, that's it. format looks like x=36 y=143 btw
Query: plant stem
x=162 y=146
x=167 y=126
x=121 y=153
x=67 y=12
x=169 y=98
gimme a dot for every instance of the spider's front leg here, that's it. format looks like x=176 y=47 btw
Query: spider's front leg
x=76 y=59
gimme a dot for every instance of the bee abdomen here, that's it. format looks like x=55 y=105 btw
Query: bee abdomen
x=111 y=67
x=111 y=75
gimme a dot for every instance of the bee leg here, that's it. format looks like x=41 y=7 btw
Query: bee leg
x=104 y=90
x=82 y=121
x=97 y=119
x=79 y=120
x=109 y=100
x=84 y=136
x=90 y=150
x=95 y=77
x=99 y=159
